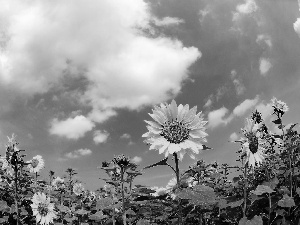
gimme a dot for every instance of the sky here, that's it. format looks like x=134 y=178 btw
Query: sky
x=79 y=77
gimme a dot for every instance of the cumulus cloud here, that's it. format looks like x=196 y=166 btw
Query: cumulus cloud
x=100 y=136
x=137 y=159
x=265 y=109
x=233 y=137
x=264 y=66
x=217 y=117
x=263 y=38
x=101 y=43
x=248 y=7
x=168 y=21
x=239 y=86
x=297 y=26
x=71 y=128
x=78 y=153
x=246 y=105
x=125 y=136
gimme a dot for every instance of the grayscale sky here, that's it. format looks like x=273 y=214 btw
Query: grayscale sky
x=79 y=77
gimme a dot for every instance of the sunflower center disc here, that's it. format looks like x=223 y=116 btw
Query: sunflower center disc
x=34 y=163
x=175 y=132
x=253 y=143
x=43 y=209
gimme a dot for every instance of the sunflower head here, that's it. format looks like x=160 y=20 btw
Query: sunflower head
x=279 y=106
x=176 y=129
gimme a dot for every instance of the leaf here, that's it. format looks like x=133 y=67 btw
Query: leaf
x=236 y=203
x=143 y=222
x=222 y=203
x=63 y=208
x=298 y=191
x=81 y=212
x=130 y=212
x=160 y=163
x=278 y=121
x=3 y=205
x=286 y=201
x=199 y=195
x=261 y=189
x=97 y=216
x=256 y=220
x=104 y=203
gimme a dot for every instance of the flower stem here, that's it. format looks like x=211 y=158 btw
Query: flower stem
x=245 y=190
x=270 y=205
x=178 y=185
x=16 y=191
x=123 y=198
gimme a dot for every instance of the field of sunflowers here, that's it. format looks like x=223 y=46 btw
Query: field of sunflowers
x=266 y=189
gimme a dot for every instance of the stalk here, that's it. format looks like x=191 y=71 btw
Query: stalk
x=245 y=190
x=123 y=198
x=178 y=183
x=270 y=205
x=16 y=191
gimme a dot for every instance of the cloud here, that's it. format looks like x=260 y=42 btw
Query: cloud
x=246 y=105
x=263 y=38
x=297 y=26
x=239 y=86
x=216 y=117
x=247 y=8
x=168 y=21
x=208 y=103
x=265 y=109
x=264 y=66
x=233 y=137
x=100 y=136
x=104 y=45
x=78 y=153
x=137 y=159
x=71 y=128
x=125 y=136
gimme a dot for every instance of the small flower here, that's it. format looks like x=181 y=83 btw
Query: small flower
x=159 y=191
x=58 y=183
x=122 y=161
x=279 y=106
x=4 y=163
x=253 y=145
x=42 y=209
x=171 y=184
x=36 y=164
x=78 y=189
x=176 y=129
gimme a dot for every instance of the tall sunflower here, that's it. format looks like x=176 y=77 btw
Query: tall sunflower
x=36 y=164
x=42 y=209
x=176 y=129
x=253 y=144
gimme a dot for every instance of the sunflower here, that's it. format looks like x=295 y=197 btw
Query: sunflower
x=78 y=189
x=253 y=145
x=279 y=105
x=58 y=183
x=176 y=130
x=36 y=164
x=42 y=209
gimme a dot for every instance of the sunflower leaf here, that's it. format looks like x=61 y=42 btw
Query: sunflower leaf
x=160 y=163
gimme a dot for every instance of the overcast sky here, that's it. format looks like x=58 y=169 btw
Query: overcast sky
x=79 y=77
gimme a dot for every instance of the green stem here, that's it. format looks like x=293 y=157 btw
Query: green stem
x=270 y=205
x=123 y=197
x=16 y=192
x=245 y=190
x=178 y=185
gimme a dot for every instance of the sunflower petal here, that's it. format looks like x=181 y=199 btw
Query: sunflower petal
x=174 y=109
